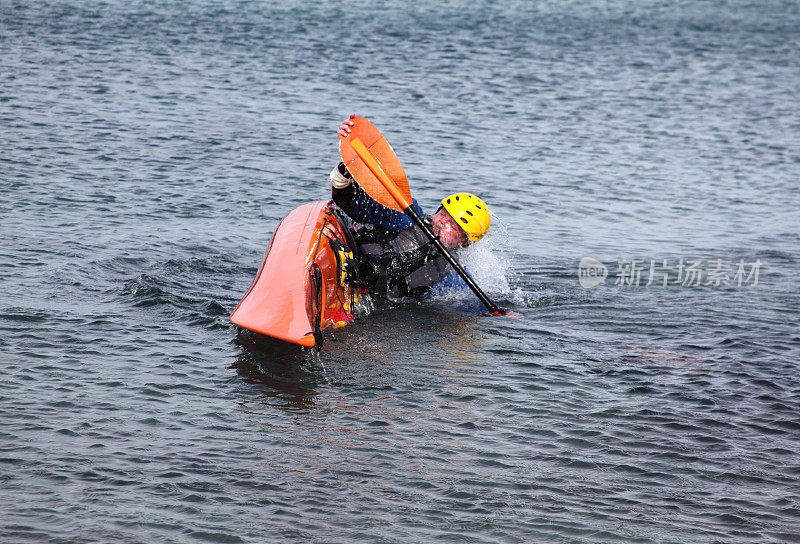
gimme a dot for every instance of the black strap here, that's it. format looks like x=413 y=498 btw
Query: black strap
x=317 y=297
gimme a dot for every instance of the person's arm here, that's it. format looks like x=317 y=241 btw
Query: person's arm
x=361 y=207
x=355 y=201
x=343 y=190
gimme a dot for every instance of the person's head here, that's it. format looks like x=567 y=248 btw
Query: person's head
x=462 y=218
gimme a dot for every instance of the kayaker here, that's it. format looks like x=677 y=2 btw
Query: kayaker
x=397 y=259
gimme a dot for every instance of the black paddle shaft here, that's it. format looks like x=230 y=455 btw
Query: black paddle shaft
x=491 y=306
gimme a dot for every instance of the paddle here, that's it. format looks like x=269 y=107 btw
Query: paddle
x=374 y=166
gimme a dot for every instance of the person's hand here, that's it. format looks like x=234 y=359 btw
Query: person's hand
x=340 y=177
x=344 y=128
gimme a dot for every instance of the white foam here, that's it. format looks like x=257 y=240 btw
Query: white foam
x=490 y=263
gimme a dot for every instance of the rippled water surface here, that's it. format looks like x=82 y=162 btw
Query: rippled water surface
x=149 y=150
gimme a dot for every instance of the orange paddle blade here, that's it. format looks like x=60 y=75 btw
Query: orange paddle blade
x=377 y=170
x=379 y=148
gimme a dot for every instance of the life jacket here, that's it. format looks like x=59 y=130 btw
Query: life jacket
x=398 y=264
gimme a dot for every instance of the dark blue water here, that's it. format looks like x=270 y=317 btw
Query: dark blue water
x=148 y=151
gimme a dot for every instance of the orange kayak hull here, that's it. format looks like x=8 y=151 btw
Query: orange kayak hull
x=299 y=286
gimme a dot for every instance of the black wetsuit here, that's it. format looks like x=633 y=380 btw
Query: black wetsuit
x=396 y=261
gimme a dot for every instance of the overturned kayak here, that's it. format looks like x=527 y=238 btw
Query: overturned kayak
x=305 y=283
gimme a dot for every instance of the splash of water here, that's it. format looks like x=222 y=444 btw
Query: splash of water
x=490 y=263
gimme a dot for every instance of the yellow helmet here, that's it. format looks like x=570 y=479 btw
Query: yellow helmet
x=470 y=212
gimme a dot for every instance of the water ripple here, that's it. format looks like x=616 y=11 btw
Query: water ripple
x=150 y=150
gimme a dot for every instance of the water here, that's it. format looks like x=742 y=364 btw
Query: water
x=148 y=151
